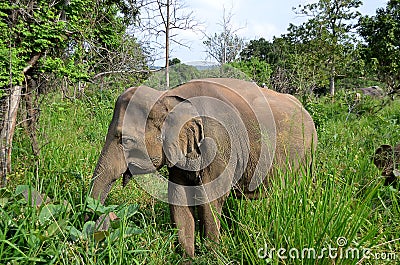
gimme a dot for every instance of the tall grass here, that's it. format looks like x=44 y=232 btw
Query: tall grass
x=342 y=199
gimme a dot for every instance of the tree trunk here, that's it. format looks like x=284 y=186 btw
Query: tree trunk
x=167 y=48
x=332 y=81
x=10 y=109
x=332 y=85
x=30 y=99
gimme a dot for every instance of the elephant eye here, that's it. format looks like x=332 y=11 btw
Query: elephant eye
x=128 y=142
x=118 y=134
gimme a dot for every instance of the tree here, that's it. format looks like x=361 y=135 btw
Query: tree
x=226 y=46
x=71 y=40
x=326 y=35
x=261 y=49
x=290 y=68
x=259 y=71
x=174 y=61
x=381 y=50
x=165 y=17
x=28 y=30
x=179 y=73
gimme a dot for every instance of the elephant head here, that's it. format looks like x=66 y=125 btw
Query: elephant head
x=387 y=159
x=139 y=140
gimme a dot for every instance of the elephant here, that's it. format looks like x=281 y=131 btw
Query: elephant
x=217 y=136
x=387 y=159
x=372 y=91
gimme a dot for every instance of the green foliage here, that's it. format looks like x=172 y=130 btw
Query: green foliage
x=27 y=32
x=261 y=49
x=382 y=49
x=300 y=68
x=318 y=112
x=178 y=74
x=27 y=229
x=273 y=53
x=8 y=53
x=224 y=71
x=324 y=51
x=182 y=73
x=73 y=39
x=2 y=94
x=326 y=37
x=334 y=18
x=291 y=70
x=257 y=70
x=174 y=61
x=345 y=107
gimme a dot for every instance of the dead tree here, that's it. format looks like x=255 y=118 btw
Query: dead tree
x=225 y=46
x=9 y=109
x=165 y=18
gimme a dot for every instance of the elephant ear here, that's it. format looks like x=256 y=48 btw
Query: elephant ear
x=182 y=134
x=190 y=137
x=383 y=159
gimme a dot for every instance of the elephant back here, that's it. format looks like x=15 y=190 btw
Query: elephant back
x=278 y=133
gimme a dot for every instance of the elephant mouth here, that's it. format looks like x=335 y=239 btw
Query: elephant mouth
x=136 y=169
x=126 y=177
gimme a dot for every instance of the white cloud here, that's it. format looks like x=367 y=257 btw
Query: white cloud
x=256 y=30
x=208 y=5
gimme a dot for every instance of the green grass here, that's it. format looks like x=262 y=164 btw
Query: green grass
x=344 y=197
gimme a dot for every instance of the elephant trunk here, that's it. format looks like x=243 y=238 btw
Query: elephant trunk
x=110 y=166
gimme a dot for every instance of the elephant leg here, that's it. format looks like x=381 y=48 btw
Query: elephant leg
x=182 y=215
x=209 y=215
x=183 y=218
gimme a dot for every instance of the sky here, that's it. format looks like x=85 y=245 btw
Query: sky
x=254 y=18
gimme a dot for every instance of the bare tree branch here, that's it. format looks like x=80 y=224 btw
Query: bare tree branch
x=164 y=18
x=224 y=47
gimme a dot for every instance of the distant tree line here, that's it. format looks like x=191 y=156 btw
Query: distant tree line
x=336 y=47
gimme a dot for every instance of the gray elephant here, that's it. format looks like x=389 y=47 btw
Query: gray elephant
x=373 y=91
x=217 y=136
x=387 y=159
